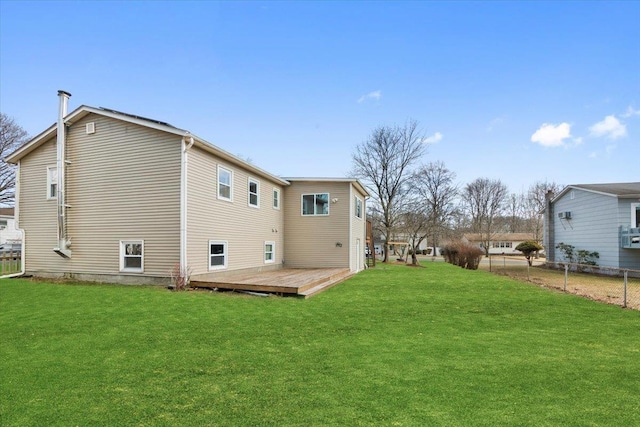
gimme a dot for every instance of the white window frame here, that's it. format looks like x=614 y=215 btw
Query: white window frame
x=51 y=181
x=314 y=204
x=634 y=210
x=358 y=205
x=225 y=254
x=249 y=193
x=273 y=252
x=123 y=267
x=230 y=172
x=276 y=198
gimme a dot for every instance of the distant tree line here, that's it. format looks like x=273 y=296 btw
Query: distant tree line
x=415 y=201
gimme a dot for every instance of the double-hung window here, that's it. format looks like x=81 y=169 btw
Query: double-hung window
x=52 y=182
x=269 y=252
x=358 y=207
x=225 y=184
x=276 y=198
x=217 y=254
x=132 y=256
x=254 y=193
x=315 y=204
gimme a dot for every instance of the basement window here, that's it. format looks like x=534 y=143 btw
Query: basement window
x=132 y=256
x=217 y=254
x=269 y=252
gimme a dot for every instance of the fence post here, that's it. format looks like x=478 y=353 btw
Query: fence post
x=566 y=273
x=489 y=263
x=624 y=298
x=528 y=278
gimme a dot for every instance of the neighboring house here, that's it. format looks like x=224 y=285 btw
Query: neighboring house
x=108 y=196
x=603 y=218
x=500 y=243
x=8 y=232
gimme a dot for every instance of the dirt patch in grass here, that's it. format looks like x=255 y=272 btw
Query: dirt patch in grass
x=603 y=288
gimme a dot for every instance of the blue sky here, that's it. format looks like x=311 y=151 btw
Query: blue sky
x=516 y=91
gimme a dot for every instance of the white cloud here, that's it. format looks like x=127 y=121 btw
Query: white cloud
x=610 y=127
x=577 y=141
x=631 y=112
x=375 y=96
x=436 y=137
x=549 y=135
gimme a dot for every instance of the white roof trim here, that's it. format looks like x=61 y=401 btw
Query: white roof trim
x=83 y=110
x=566 y=189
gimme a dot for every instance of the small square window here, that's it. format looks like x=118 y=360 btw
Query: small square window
x=269 y=252
x=52 y=182
x=132 y=256
x=217 y=254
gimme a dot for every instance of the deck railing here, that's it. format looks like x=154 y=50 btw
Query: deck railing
x=10 y=262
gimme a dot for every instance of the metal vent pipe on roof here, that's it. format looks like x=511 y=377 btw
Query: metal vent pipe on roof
x=63 y=242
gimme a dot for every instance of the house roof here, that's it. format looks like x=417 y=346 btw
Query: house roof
x=355 y=182
x=622 y=190
x=501 y=237
x=84 y=110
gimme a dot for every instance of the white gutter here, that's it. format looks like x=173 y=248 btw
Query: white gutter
x=186 y=144
x=16 y=216
x=63 y=243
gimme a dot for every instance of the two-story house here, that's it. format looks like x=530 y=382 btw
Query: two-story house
x=107 y=196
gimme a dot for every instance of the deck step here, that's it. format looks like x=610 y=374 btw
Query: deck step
x=325 y=284
x=322 y=280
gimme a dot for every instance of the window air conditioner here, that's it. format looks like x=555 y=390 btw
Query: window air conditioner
x=564 y=215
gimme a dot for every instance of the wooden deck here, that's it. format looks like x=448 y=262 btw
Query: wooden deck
x=290 y=281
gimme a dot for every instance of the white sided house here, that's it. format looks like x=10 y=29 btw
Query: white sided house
x=500 y=243
x=107 y=196
x=603 y=218
x=8 y=231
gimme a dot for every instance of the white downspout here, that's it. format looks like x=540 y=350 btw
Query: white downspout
x=16 y=215
x=63 y=243
x=186 y=144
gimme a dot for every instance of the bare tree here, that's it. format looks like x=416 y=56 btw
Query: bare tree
x=383 y=162
x=536 y=204
x=515 y=213
x=484 y=199
x=436 y=189
x=12 y=136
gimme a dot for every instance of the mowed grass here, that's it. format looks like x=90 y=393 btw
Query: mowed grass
x=392 y=346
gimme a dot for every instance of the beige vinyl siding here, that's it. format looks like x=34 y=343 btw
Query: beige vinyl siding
x=123 y=183
x=311 y=240
x=245 y=228
x=38 y=216
x=358 y=230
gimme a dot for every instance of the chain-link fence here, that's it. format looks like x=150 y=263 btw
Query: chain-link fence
x=607 y=284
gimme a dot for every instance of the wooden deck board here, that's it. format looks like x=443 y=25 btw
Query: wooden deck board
x=286 y=281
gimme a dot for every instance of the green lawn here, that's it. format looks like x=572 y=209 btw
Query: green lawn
x=393 y=346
